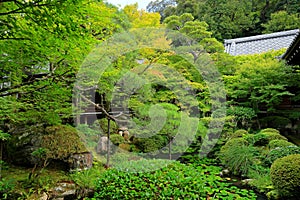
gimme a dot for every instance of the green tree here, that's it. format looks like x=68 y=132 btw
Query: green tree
x=140 y=18
x=43 y=45
x=281 y=21
x=259 y=81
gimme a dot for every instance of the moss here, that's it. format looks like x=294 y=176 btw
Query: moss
x=270 y=130
x=239 y=133
x=279 y=143
x=285 y=175
x=61 y=141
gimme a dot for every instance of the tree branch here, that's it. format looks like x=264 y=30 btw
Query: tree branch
x=114 y=118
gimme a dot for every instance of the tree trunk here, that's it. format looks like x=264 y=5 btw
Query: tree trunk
x=1 y=162
x=108 y=143
x=170 y=154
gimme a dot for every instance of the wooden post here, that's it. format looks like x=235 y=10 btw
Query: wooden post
x=108 y=143
x=85 y=120
x=170 y=153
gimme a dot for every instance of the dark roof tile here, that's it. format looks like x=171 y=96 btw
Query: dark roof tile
x=260 y=43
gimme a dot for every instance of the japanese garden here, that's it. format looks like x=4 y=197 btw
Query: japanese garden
x=185 y=99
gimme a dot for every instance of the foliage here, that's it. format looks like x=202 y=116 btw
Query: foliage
x=140 y=18
x=285 y=175
x=242 y=115
x=6 y=186
x=173 y=181
x=44 y=47
x=280 y=152
x=279 y=143
x=274 y=121
x=281 y=21
x=253 y=83
x=232 y=19
x=264 y=137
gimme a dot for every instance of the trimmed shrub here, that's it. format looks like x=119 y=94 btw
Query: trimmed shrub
x=150 y=144
x=263 y=138
x=280 y=152
x=117 y=139
x=61 y=141
x=274 y=121
x=238 y=133
x=279 y=143
x=285 y=175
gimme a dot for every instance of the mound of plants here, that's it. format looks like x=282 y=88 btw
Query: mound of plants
x=285 y=175
x=173 y=181
x=264 y=137
x=239 y=159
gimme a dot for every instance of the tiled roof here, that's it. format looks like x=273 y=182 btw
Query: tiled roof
x=260 y=43
x=292 y=54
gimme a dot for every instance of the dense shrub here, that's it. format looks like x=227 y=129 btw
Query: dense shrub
x=174 y=181
x=274 y=121
x=116 y=139
x=150 y=144
x=61 y=141
x=280 y=152
x=285 y=175
x=279 y=143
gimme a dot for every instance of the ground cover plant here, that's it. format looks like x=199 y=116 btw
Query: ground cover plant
x=174 y=181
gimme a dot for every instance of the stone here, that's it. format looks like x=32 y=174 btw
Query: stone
x=63 y=190
x=102 y=145
x=81 y=161
x=43 y=196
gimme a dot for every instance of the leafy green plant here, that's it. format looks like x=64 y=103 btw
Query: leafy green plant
x=174 y=180
x=6 y=186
